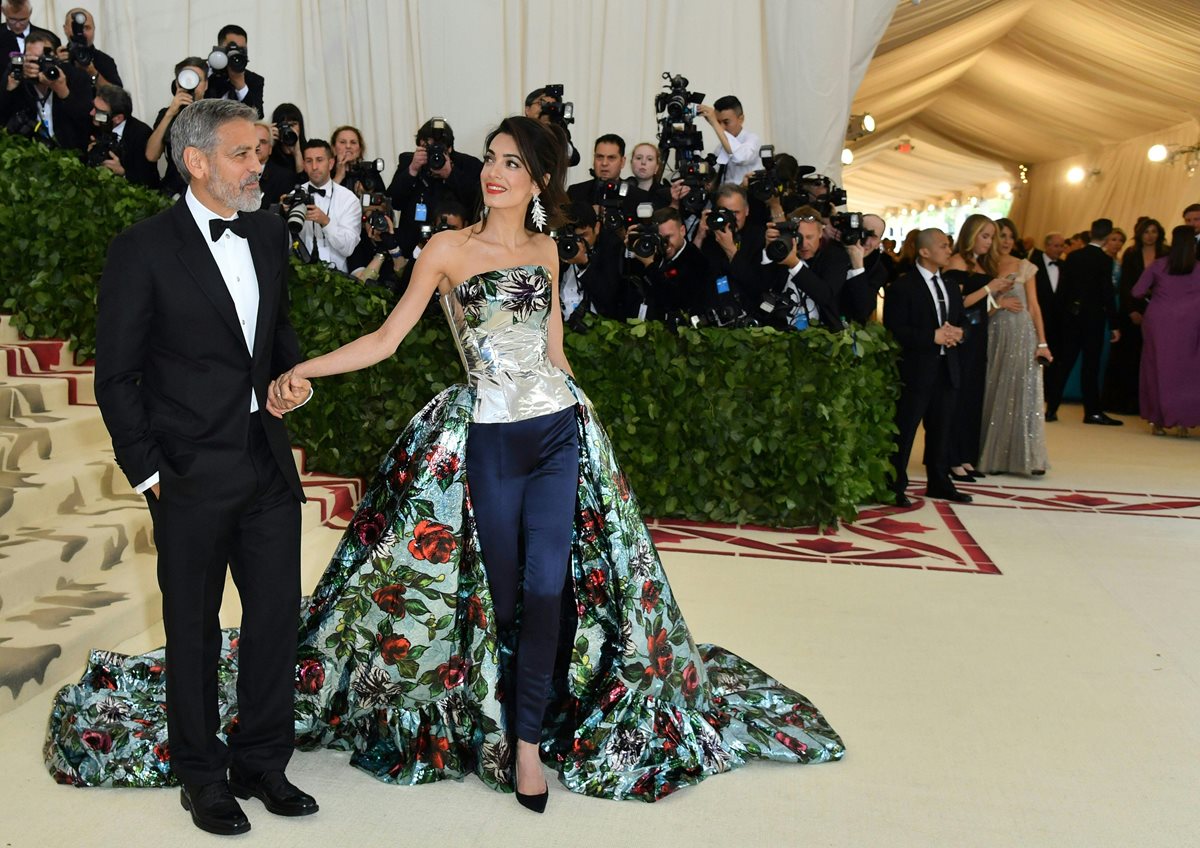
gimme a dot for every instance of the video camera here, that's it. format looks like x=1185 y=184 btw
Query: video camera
x=78 y=49
x=558 y=112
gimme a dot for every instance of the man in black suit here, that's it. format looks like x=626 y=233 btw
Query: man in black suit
x=809 y=278
x=1088 y=304
x=56 y=111
x=675 y=281
x=192 y=326
x=229 y=83
x=921 y=310
x=111 y=109
x=17 y=28
x=592 y=279
x=612 y=197
x=1049 y=261
x=869 y=272
x=421 y=184
x=93 y=61
x=734 y=252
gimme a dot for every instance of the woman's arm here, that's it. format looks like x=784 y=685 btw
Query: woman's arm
x=1145 y=282
x=1035 y=312
x=376 y=346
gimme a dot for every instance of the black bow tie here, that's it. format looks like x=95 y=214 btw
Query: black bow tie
x=239 y=226
x=316 y=190
x=1055 y=261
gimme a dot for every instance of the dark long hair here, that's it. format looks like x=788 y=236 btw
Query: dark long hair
x=1006 y=223
x=1139 y=229
x=287 y=112
x=543 y=149
x=1182 y=258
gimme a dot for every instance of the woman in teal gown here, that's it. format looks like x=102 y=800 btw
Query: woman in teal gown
x=401 y=661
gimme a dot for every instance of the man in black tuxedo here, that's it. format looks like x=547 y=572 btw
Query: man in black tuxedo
x=675 y=281
x=111 y=109
x=192 y=326
x=55 y=111
x=17 y=28
x=1049 y=261
x=592 y=279
x=230 y=83
x=604 y=190
x=1088 y=303
x=810 y=277
x=921 y=310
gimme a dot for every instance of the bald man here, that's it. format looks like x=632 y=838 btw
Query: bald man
x=82 y=51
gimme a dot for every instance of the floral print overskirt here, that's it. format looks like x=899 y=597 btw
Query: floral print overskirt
x=400 y=664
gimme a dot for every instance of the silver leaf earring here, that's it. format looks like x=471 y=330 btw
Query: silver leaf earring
x=537 y=213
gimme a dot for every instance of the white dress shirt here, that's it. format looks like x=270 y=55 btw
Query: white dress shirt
x=937 y=292
x=743 y=159
x=1052 y=268
x=21 y=38
x=336 y=241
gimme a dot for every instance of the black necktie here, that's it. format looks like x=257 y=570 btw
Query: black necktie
x=239 y=226
x=941 y=300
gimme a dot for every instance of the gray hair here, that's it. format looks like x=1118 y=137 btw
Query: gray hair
x=197 y=124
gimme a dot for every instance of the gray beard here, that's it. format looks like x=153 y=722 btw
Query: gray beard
x=236 y=196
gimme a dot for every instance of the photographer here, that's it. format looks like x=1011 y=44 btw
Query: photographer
x=732 y=245
x=869 y=272
x=430 y=175
x=377 y=258
x=120 y=139
x=45 y=99
x=229 y=79
x=80 y=49
x=545 y=105
x=287 y=133
x=606 y=190
x=800 y=288
x=591 y=258
x=275 y=181
x=351 y=170
x=738 y=151
x=189 y=85
x=675 y=279
x=449 y=216
x=333 y=220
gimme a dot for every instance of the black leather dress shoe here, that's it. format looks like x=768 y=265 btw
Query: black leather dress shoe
x=277 y=793
x=963 y=478
x=902 y=500
x=1101 y=418
x=213 y=808
x=950 y=494
x=1051 y=416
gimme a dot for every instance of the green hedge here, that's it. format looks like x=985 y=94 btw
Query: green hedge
x=747 y=426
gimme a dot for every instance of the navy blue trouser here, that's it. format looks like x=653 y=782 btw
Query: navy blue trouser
x=523 y=478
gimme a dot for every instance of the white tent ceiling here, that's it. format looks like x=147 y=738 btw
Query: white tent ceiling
x=981 y=86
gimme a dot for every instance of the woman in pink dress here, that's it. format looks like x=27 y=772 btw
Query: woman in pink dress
x=1169 y=392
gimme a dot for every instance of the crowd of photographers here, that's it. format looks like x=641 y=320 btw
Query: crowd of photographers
x=735 y=236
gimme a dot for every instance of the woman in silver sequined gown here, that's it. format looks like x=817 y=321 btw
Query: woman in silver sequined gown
x=1014 y=424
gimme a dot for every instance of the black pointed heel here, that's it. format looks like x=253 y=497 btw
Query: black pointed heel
x=537 y=803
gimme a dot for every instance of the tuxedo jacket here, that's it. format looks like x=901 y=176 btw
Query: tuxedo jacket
x=1085 y=284
x=219 y=86
x=8 y=41
x=910 y=313
x=1048 y=298
x=173 y=374
x=72 y=115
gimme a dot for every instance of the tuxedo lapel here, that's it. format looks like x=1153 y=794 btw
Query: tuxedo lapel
x=269 y=285
x=199 y=262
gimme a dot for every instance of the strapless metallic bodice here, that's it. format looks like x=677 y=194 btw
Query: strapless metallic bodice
x=499 y=320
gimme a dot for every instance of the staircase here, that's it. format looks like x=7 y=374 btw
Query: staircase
x=77 y=560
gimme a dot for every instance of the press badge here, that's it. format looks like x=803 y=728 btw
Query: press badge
x=421 y=215
x=722 y=285
x=800 y=322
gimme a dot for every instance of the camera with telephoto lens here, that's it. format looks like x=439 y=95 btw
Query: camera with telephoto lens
x=231 y=57
x=107 y=143
x=80 y=52
x=287 y=136
x=722 y=219
x=568 y=242
x=558 y=112
x=436 y=145
x=48 y=66
x=849 y=227
x=778 y=249
x=369 y=172
x=296 y=204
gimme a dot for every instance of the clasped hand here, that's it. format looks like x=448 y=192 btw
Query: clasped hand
x=286 y=392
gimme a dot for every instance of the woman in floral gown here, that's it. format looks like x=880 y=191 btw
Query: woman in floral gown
x=474 y=600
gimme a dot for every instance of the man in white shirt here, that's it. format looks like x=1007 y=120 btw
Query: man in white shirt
x=738 y=150
x=333 y=224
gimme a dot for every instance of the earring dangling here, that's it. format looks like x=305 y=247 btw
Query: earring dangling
x=537 y=214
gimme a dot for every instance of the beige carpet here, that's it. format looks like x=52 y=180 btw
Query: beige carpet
x=1047 y=700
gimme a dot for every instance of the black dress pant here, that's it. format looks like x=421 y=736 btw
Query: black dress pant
x=927 y=397
x=239 y=513
x=1081 y=334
